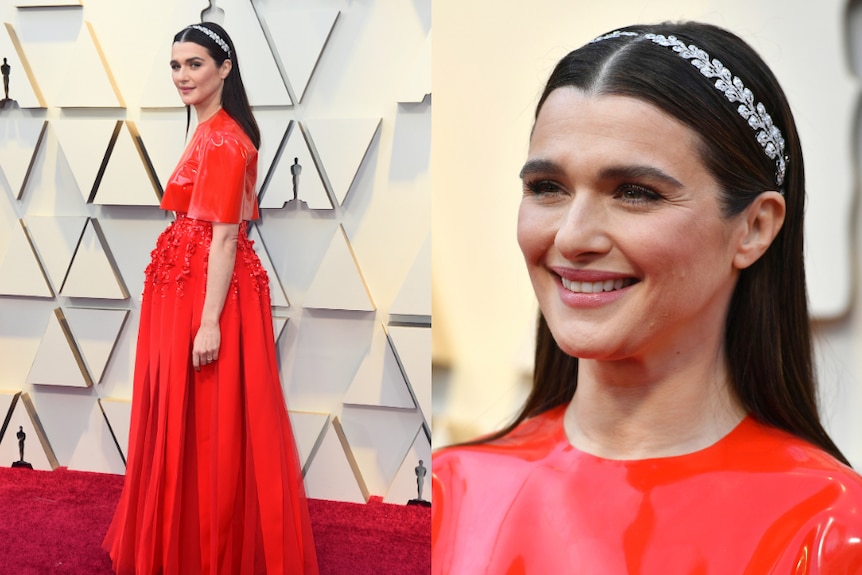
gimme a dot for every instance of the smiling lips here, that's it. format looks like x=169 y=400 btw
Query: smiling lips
x=596 y=286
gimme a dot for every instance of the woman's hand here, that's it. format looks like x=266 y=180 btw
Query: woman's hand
x=206 y=345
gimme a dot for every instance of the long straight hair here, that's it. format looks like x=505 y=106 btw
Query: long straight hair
x=768 y=333
x=234 y=99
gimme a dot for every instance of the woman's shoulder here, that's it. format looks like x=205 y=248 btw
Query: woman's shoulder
x=532 y=439
x=222 y=128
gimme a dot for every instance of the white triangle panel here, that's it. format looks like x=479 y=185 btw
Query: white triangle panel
x=307 y=431
x=96 y=332
x=119 y=415
x=417 y=82
x=309 y=185
x=22 y=83
x=405 y=486
x=20 y=137
x=414 y=297
x=273 y=125
x=58 y=361
x=84 y=144
x=339 y=283
x=126 y=181
x=20 y=270
x=95 y=450
x=88 y=82
x=278 y=325
x=55 y=240
x=330 y=475
x=379 y=380
x=265 y=87
x=92 y=273
x=163 y=136
x=21 y=420
x=299 y=37
x=379 y=439
x=413 y=347
x=342 y=145
x=276 y=291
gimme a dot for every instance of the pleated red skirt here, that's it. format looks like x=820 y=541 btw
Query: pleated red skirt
x=213 y=482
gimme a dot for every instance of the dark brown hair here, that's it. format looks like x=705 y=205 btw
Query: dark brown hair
x=234 y=100
x=767 y=336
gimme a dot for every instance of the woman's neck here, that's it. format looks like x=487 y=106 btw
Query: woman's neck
x=641 y=410
x=204 y=113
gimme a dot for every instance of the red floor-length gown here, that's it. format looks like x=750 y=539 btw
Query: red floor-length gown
x=213 y=482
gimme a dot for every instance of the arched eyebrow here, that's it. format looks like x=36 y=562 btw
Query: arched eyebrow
x=635 y=172
x=189 y=60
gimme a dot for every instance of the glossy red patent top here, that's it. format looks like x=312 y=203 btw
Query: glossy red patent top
x=759 y=501
x=216 y=176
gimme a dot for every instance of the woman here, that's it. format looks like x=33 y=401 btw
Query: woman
x=672 y=426
x=213 y=483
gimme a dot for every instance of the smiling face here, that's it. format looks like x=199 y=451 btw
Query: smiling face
x=622 y=231
x=198 y=79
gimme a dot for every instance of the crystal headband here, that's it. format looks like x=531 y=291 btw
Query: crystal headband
x=768 y=135
x=215 y=37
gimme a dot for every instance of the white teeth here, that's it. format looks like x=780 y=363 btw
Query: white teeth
x=595 y=287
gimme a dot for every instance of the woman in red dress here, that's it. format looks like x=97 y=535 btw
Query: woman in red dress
x=672 y=427
x=213 y=482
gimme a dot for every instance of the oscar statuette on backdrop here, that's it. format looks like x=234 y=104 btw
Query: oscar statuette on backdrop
x=6 y=102
x=21 y=437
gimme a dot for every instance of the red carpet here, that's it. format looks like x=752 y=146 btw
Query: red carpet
x=54 y=522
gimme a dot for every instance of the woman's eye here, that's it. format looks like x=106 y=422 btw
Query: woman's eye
x=637 y=194
x=542 y=187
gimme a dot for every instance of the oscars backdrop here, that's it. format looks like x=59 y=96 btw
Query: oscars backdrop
x=90 y=129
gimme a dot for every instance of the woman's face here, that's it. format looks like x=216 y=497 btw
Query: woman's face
x=622 y=232
x=197 y=78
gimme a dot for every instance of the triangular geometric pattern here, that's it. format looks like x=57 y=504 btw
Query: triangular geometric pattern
x=126 y=181
x=20 y=415
x=310 y=187
x=405 y=487
x=339 y=283
x=56 y=239
x=21 y=273
x=379 y=380
x=342 y=146
x=417 y=82
x=414 y=297
x=299 y=37
x=328 y=474
x=265 y=87
x=118 y=413
x=276 y=291
x=96 y=332
x=58 y=360
x=25 y=90
x=96 y=450
x=20 y=137
x=163 y=140
x=93 y=273
x=85 y=144
x=273 y=124
x=379 y=439
x=308 y=431
x=413 y=347
x=131 y=241
x=88 y=82
x=278 y=325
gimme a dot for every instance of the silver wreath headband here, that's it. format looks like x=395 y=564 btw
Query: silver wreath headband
x=215 y=37
x=768 y=135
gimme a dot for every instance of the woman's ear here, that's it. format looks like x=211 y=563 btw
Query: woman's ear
x=762 y=220
x=225 y=68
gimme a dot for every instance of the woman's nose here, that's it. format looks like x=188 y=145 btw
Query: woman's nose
x=583 y=229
